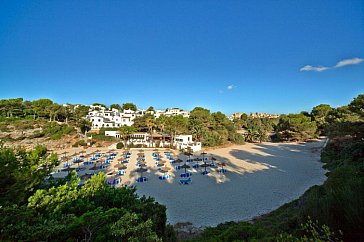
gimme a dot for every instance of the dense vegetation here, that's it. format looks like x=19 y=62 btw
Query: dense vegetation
x=34 y=207
x=51 y=119
x=337 y=204
x=212 y=129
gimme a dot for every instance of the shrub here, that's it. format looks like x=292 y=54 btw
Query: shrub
x=236 y=138
x=119 y=145
x=102 y=137
x=79 y=143
x=56 y=131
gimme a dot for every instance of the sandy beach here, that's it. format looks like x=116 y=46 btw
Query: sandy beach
x=258 y=179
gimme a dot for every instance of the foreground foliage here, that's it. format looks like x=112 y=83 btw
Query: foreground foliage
x=36 y=208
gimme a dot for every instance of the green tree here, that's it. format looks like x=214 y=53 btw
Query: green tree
x=80 y=112
x=150 y=123
x=244 y=116
x=319 y=114
x=84 y=125
x=131 y=228
x=262 y=135
x=11 y=107
x=116 y=106
x=54 y=109
x=250 y=135
x=66 y=112
x=131 y=106
x=199 y=122
x=151 y=108
x=20 y=173
x=175 y=125
x=41 y=107
x=295 y=127
x=357 y=105
x=125 y=131
x=99 y=104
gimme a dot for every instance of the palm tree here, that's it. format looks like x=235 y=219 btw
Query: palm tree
x=125 y=131
x=250 y=135
x=261 y=134
x=150 y=123
x=161 y=123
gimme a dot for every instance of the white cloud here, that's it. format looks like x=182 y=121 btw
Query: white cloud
x=342 y=63
x=314 y=68
x=230 y=87
x=345 y=62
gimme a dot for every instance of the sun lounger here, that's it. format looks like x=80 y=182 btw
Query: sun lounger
x=185 y=181
x=164 y=177
x=141 y=179
x=205 y=172
x=185 y=175
x=196 y=166
x=221 y=170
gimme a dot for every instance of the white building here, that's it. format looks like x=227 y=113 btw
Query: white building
x=111 y=118
x=176 y=111
x=101 y=117
x=115 y=134
x=97 y=107
x=183 y=142
x=127 y=117
x=158 y=113
x=139 y=139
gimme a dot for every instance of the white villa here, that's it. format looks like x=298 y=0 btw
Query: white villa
x=176 y=111
x=113 y=133
x=169 y=112
x=110 y=118
x=101 y=117
x=184 y=142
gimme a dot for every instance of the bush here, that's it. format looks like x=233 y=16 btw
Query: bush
x=236 y=138
x=119 y=145
x=79 y=143
x=102 y=137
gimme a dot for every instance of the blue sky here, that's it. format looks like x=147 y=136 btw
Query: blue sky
x=229 y=56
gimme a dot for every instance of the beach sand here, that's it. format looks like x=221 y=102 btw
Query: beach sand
x=259 y=179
